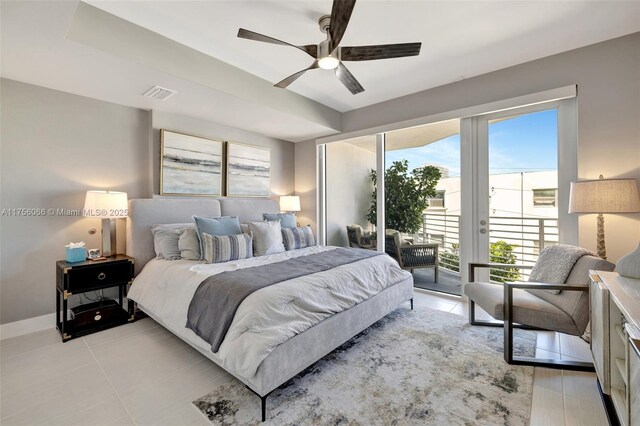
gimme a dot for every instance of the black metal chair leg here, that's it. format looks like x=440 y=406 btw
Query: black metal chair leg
x=532 y=361
x=508 y=325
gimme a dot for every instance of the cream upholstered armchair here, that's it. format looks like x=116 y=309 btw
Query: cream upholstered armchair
x=411 y=256
x=358 y=238
x=531 y=305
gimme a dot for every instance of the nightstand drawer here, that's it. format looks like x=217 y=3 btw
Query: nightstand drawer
x=99 y=276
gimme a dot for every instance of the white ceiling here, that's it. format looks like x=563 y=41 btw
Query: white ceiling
x=460 y=40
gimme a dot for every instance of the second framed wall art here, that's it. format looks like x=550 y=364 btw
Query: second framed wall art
x=248 y=171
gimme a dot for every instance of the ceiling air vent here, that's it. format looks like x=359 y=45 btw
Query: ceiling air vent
x=159 y=93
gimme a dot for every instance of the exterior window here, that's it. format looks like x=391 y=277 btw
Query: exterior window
x=438 y=200
x=544 y=197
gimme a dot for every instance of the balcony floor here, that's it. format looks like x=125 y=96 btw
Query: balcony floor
x=448 y=282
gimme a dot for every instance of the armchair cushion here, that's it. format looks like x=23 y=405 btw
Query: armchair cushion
x=576 y=303
x=567 y=312
x=527 y=308
x=358 y=238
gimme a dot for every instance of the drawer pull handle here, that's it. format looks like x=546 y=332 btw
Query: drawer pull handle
x=102 y=276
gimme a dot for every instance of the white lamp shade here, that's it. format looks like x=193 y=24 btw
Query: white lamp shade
x=604 y=196
x=290 y=203
x=106 y=204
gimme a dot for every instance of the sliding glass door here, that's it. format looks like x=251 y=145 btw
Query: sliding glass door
x=347 y=199
x=423 y=198
x=498 y=190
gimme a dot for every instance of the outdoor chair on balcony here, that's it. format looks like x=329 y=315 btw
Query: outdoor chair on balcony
x=562 y=305
x=411 y=256
x=358 y=238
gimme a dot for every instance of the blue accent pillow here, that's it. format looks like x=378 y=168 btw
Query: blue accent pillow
x=287 y=220
x=216 y=226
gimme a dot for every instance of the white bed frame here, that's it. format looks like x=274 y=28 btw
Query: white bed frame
x=293 y=356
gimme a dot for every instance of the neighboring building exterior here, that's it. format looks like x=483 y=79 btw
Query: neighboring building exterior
x=523 y=212
x=528 y=194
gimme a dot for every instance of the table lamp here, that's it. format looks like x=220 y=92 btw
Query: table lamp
x=604 y=196
x=290 y=203
x=107 y=205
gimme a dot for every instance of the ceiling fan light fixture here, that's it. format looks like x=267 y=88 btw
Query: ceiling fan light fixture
x=328 y=63
x=329 y=55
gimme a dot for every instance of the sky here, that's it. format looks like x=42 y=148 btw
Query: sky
x=524 y=143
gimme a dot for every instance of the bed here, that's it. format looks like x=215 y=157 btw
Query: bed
x=162 y=290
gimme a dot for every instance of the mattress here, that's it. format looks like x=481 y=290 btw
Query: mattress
x=269 y=316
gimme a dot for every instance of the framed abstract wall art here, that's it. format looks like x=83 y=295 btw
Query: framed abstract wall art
x=190 y=165
x=248 y=171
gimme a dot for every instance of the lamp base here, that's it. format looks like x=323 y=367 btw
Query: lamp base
x=602 y=250
x=109 y=247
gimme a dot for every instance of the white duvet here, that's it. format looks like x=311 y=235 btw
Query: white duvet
x=269 y=316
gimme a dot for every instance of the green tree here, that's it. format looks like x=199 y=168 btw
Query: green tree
x=500 y=252
x=406 y=195
x=450 y=259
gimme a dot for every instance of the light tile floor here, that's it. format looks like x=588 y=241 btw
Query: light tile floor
x=142 y=374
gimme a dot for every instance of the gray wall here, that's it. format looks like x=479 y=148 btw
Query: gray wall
x=349 y=196
x=282 y=152
x=608 y=79
x=305 y=178
x=54 y=147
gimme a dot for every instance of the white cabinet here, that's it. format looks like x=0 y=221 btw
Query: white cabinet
x=599 y=307
x=634 y=376
x=615 y=341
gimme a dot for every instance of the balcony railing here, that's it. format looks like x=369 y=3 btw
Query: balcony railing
x=527 y=236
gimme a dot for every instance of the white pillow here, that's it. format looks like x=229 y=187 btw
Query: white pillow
x=165 y=239
x=244 y=227
x=267 y=237
x=189 y=244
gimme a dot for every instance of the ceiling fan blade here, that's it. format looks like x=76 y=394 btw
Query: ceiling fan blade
x=383 y=51
x=311 y=49
x=346 y=78
x=340 y=15
x=293 y=77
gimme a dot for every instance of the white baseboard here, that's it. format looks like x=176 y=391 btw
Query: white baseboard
x=30 y=325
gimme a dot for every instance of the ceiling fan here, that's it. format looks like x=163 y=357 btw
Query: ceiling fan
x=329 y=55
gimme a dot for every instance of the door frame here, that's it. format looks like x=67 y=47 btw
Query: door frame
x=474 y=147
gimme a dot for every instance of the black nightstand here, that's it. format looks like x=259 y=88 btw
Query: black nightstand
x=80 y=277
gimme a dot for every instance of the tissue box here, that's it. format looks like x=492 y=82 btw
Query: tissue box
x=76 y=254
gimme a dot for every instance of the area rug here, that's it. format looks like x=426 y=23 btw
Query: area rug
x=411 y=367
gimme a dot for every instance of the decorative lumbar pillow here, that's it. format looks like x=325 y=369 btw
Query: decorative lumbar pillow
x=216 y=226
x=165 y=239
x=219 y=249
x=266 y=237
x=287 y=220
x=297 y=238
x=189 y=244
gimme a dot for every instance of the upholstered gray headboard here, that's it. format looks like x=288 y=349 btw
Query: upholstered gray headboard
x=144 y=213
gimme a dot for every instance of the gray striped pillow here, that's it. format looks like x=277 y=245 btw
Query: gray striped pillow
x=223 y=248
x=297 y=238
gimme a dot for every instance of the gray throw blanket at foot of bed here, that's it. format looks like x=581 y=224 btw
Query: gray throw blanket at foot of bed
x=216 y=300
